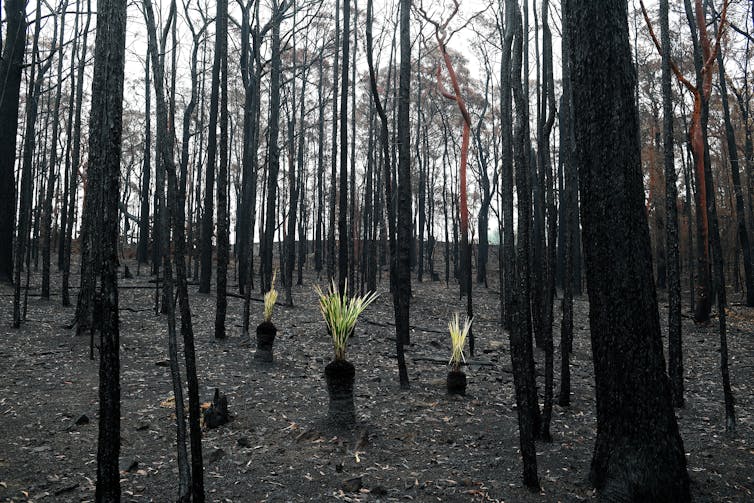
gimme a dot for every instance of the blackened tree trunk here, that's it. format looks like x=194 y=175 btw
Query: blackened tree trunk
x=10 y=75
x=205 y=274
x=343 y=189
x=75 y=162
x=638 y=455
x=142 y=248
x=36 y=77
x=176 y=209
x=334 y=152
x=245 y=241
x=520 y=335
x=507 y=252
x=569 y=223
x=400 y=311
x=743 y=235
x=548 y=113
x=222 y=177
x=719 y=288
x=273 y=150
x=403 y=231
x=164 y=155
x=53 y=169
x=105 y=127
x=319 y=224
x=675 y=350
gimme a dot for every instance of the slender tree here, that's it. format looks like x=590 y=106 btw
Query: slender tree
x=400 y=310
x=208 y=216
x=675 y=351
x=520 y=334
x=403 y=230
x=105 y=130
x=222 y=177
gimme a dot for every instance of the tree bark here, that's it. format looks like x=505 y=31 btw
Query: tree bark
x=10 y=74
x=105 y=129
x=209 y=188
x=222 y=177
x=638 y=454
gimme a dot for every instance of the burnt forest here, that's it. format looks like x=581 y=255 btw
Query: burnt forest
x=377 y=251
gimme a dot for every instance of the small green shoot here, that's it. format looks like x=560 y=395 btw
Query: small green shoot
x=457 y=340
x=269 y=299
x=341 y=313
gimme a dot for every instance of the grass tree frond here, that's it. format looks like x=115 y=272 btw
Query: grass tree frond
x=458 y=336
x=270 y=298
x=341 y=314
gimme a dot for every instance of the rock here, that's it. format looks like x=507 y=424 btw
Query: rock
x=82 y=419
x=217 y=413
x=352 y=485
x=244 y=442
x=215 y=456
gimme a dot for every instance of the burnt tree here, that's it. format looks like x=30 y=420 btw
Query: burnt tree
x=638 y=454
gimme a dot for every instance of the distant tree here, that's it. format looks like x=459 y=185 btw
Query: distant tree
x=675 y=351
x=208 y=216
x=638 y=454
x=400 y=309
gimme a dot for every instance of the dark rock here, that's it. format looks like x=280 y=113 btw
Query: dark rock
x=82 y=419
x=217 y=413
x=215 y=456
x=352 y=485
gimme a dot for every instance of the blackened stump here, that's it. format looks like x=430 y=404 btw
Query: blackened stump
x=265 y=338
x=339 y=375
x=456 y=382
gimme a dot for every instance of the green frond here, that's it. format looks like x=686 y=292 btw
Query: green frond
x=341 y=314
x=270 y=298
x=458 y=340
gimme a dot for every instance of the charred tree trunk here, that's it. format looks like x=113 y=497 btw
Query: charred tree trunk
x=743 y=235
x=520 y=334
x=10 y=74
x=675 y=350
x=105 y=129
x=207 y=230
x=53 y=169
x=142 y=248
x=274 y=151
x=635 y=419
x=222 y=176
x=400 y=310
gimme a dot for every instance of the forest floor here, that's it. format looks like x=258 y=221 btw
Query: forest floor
x=416 y=445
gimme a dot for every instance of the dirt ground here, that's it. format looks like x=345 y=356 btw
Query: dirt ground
x=416 y=445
